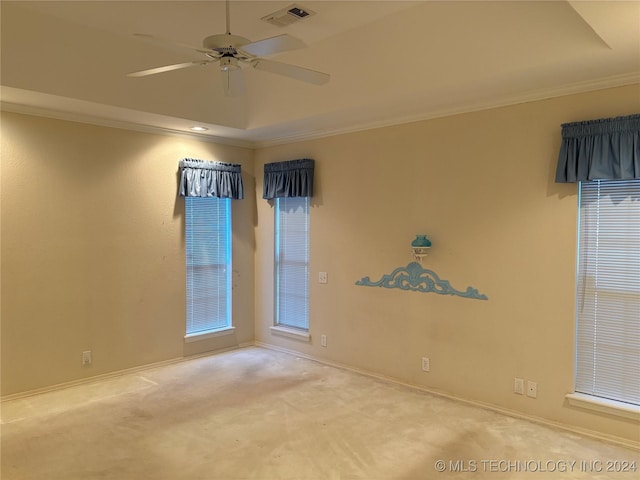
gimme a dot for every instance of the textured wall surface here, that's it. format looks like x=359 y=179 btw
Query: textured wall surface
x=481 y=185
x=93 y=250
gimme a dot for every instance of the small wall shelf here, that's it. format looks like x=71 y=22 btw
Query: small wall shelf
x=420 y=247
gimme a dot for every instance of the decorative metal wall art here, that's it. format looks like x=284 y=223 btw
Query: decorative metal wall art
x=414 y=277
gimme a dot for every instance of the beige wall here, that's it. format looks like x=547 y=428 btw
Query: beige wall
x=93 y=250
x=481 y=186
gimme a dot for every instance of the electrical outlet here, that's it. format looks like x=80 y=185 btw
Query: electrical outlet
x=323 y=277
x=425 y=364
x=86 y=357
x=532 y=389
x=518 y=386
x=323 y=340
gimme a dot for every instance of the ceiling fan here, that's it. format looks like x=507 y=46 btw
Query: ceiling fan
x=231 y=51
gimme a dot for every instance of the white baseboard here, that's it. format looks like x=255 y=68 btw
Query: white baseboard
x=511 y=413
x=119 y=373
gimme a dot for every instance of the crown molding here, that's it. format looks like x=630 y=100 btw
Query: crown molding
x=274 y=139
x=632 y=78
x=121 y=124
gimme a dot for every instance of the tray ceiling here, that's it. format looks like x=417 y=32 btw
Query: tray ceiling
x=390 y=62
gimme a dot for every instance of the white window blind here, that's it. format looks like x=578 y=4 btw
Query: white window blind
x=292 y=262
x=208 y=253
x=608 y=296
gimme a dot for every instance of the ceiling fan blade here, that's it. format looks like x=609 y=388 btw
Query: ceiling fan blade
x=170 y=44
x=168 y=68
x=270 y=46
x=291 y=71
x=233 y=82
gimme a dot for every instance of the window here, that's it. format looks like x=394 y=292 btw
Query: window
x=208 y=253
x=292 y=262
x=608 y=291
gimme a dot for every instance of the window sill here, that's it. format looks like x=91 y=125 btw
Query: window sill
x=604 y=405
x=296 y=334
x=194 y=337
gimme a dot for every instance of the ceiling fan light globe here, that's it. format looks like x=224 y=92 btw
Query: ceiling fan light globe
x=228 y=64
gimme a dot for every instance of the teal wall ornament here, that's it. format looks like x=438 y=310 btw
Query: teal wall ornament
x=420 y=246
x=415 y=278
x=421 y=241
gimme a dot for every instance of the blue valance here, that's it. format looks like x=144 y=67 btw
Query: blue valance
x=288 y=179
x=605 y=149
x=210 y=179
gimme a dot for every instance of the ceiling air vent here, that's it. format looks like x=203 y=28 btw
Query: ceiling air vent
x=287 y=16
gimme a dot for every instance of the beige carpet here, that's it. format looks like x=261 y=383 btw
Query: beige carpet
x=259 y=414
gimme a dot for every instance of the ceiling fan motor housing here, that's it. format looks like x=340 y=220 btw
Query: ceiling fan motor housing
x=225 y=43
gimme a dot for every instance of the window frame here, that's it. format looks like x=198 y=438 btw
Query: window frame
x=588 y=392
x=299 y=329
x=222 y=206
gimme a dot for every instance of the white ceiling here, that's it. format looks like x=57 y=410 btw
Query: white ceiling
x=390 y=62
